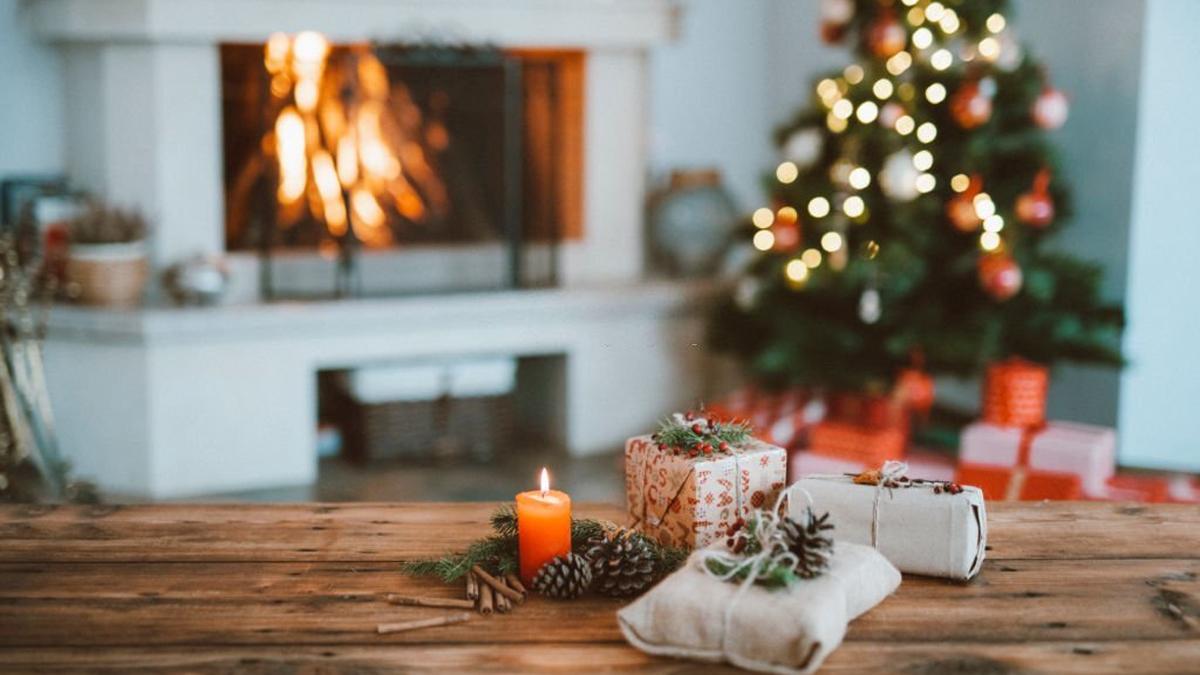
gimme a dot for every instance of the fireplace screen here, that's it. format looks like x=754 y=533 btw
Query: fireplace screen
x=368 y=169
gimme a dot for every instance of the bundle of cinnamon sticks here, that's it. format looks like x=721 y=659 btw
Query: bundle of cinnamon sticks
x=486 y=594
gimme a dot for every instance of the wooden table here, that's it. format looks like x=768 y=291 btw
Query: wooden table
x=1082 y=587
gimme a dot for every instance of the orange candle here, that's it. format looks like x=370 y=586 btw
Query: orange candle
x=543 y=527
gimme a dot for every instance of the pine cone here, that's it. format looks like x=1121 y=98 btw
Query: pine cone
x=565 y=577
x=622 y=563
x=810 y=547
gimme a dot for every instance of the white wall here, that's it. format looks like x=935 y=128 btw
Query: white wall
x=1162 y=385
x=31 y=114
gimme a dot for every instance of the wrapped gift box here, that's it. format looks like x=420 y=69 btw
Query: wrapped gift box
x=997 y=483
x=691 y=501
x=926 y=528
x=858 y=443
x=1014 y=393
x=781 y=418
x=1086 y=451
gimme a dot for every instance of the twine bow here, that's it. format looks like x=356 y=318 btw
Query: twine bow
x=772 y=551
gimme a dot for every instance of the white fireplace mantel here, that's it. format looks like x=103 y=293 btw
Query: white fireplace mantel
x=526 y=23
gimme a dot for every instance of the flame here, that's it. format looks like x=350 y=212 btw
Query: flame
x=545 y=481
x=343 y=124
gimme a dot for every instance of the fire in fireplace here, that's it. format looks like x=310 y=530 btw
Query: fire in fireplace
x=385 y=168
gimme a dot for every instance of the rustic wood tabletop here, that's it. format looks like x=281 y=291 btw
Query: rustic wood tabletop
x=1067 y=587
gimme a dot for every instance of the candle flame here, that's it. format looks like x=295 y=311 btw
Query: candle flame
x=545 y=481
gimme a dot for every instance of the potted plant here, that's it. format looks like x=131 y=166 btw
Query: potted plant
x=107 y=263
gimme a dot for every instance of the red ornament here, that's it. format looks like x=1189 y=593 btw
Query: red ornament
x=1036 y=207
x=1050 y=109
x=970 y=106
x=914 y=388
x=886 y=36
x=960 y=209
x=1000 y=275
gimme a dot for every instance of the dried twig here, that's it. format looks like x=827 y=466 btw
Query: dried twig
x=403 y=626
x=415 y=601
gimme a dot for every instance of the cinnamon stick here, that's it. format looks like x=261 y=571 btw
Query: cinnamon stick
x=416 y=601
x=401 y=627
x=496 y=585
x=472 y=586
x=487 y=600
x=503 y=604
x=514 y=582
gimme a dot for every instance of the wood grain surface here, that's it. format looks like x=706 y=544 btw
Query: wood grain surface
x=1067 y=587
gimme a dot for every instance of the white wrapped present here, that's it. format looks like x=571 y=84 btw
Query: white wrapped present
x=935 y=528
x=1083 y=450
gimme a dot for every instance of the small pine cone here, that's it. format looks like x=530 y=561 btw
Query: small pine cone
x=622 y=563
x=567 y=576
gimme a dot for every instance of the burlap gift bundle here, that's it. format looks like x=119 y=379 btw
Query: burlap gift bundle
x=693 y=614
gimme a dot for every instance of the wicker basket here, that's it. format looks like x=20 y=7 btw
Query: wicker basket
x=447 y=428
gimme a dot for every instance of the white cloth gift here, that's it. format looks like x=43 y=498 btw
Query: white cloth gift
x=693 y=614
x=920 y=527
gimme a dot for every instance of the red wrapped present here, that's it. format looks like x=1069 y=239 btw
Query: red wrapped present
x=1134 y=488
x=874 y=411
x=781 y=418
x=1087 y=451
x=858 y=443
x=1013 y=483
x=1014 y=393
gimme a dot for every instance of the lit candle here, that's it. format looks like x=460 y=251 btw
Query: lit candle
x=543 y=527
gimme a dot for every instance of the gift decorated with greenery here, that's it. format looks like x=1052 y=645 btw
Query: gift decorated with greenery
x=692 y=479
x=775 y=596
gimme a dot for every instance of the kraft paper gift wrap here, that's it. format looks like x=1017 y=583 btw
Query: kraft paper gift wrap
x=692 y=614
x=919 y=531
x=1083 y=450
x=689 y=502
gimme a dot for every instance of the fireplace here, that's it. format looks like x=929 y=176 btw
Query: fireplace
x=373 y=168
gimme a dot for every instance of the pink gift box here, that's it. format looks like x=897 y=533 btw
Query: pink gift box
x=690 y=502
x=1083 y=450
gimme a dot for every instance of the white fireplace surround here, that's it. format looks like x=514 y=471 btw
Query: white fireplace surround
x=168 y=402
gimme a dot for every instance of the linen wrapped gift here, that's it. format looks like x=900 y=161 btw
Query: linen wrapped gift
x=925 y=527
x=685 y=497
x=693 y=614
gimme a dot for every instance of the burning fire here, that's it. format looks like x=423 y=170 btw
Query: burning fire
x=348 y=142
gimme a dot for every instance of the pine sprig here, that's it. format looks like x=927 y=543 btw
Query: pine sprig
x=695 y=436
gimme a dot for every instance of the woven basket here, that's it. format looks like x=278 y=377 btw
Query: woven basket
x=112 y=275
x=446 y=428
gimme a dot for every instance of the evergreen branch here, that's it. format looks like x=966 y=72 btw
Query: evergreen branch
x=687 y=434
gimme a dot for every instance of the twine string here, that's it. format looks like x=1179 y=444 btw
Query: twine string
x=891 y=470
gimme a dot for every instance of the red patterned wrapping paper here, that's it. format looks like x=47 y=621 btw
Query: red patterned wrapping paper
x=690 y=502
x=1014 y=393
x=858 y=443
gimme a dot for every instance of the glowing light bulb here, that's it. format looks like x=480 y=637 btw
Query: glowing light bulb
x=764 y=240
x=818 y=207
x=989 y=48
x=867 y=112
x=923 y=160
x=853 y=73
x=859 y=178
x=984 y=206
x=827 y=89
x=925 y=183
x=787 y=215
x=882 y=88
x=909 y=3
x=935 y=93
x=787 y=172
x=915 y=16
x=905 y=125
x=934 y=11
x=836 y=124
x=949 y=22
x=941 y=59
x=989 y=241
x=993 y=223
x=926 y=132
x=843 y=109
x=960 y=182
x=831 y=242
x=996 y=23
x=796 y=270
x=811 y=258
x=922 y=37
x=763 y=218
x=871 y=249
x=853 y=207
x=899 y=62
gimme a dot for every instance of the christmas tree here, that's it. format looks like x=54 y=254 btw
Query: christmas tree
x=913 y=211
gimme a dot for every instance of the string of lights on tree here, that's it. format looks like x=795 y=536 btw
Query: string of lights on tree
x=922 y=166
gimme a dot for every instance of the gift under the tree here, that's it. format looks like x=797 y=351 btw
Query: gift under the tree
x=684 y=491
x=1020 y=483
x=694 y=614
x=1014 y=393
x=935 y=528
x=871 y=446
x=782 y=418
x=1083 y=450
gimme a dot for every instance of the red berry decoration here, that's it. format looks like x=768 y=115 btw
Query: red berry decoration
x=723 y=447
x=1000 y=275
x=1036 y=207
x=697 y=429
